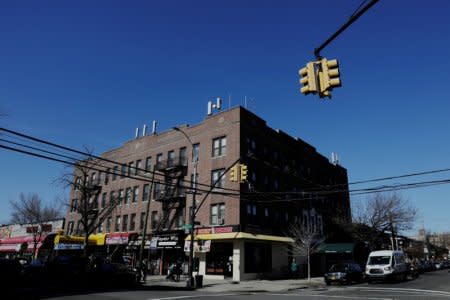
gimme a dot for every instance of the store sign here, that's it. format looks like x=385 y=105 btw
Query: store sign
x=116 y=240
x=62 y=246
x=168 y=241
x=214 y=230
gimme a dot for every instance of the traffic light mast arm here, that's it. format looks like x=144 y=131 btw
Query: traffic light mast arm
x=214 y=185
x=352 y=19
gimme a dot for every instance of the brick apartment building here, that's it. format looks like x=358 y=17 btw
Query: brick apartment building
x=242 y=225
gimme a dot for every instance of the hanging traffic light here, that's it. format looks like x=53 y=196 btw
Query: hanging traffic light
x=308 y=79
x=328 y=77
x=234 y=173
x=243 y=175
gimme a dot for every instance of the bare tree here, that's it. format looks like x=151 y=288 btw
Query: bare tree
x=30 y=210
x=385 y=213
x=86 y=189
x=306 y=240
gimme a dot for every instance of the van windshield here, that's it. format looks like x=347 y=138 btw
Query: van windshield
x=379 y=260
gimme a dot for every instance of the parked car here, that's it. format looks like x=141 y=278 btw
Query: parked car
x=344 y=273
x=11 y=273
x=386 y=265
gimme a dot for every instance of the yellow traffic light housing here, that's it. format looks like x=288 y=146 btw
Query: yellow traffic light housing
x=308 y=79
x=244 y=171
x=234 y=173
x=328 y=76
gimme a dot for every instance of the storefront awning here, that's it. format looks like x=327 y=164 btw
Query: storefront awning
x=13 y=244
x=119 y=238
x=94 y=239
x=241 y=235
x=336 y=248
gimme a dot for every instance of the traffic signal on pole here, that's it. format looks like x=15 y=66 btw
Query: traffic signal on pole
x=234 y=173
x=328 y=76
x=243 y=175
x=308 y=79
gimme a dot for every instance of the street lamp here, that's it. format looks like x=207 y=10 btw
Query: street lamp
x=191 y=229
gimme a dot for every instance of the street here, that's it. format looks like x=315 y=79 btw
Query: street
x=432 y=285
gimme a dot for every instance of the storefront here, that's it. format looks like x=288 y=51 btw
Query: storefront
x=166 y=248
x=224 y=252
x=117 y=246
x=69 y=242
x=23 y=245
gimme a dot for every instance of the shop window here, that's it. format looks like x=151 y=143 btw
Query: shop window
x=219 y=260
x=258 y=258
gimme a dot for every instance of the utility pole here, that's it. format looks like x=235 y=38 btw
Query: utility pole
x=194 y=160
x=144 y=230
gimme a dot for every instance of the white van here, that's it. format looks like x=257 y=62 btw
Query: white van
x=385 y=265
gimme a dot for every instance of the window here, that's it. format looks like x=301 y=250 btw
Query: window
x=170 y=158
x=125 y=223
x=218 y=214
x=121 y=195
x=194 y=181
x=130 y=168
x=70 y=228
x=94 y=178
x=103 y=200
x=132 y=222
x=142 y=221
x=107 y=176
x=138 y=167
x=123 y=170
x=179 y=218
x=215 y=175
x=258 y=257
x=157 y=193
x=148 y=164
x=108 y=224
x=74 y=205
x=117 y=225
x=135 y=194
x=146 y=192
x=112 y=197
x=219 y=147
x=159 y=158
x=77 y=183
x=128 y=196
x=183 y=160
x=100 y=228
x=115 y=171
x=154 y=219
x=196 y=151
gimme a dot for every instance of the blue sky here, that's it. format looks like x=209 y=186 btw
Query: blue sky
x=88 y=72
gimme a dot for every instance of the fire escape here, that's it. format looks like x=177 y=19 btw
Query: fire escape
x=171 y=193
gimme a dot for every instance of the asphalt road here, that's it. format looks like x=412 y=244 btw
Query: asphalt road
x=433 y=285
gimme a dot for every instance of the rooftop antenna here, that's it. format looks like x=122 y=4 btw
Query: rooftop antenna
x=144 y=130
x=154 y=127
x=217 y=105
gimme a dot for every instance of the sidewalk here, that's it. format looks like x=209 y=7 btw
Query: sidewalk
x=210 y=285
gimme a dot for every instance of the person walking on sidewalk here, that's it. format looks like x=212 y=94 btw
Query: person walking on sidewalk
x=294 y=269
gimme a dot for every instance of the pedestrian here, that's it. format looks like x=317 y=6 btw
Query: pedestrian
x=294 y=268
x=144 y=269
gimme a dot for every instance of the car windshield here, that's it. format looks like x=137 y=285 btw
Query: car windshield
x=379 y=260
x=338 y=268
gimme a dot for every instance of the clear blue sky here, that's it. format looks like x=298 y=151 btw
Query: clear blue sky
x=88 y=72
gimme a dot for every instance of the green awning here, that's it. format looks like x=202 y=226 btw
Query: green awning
x=336 y=248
